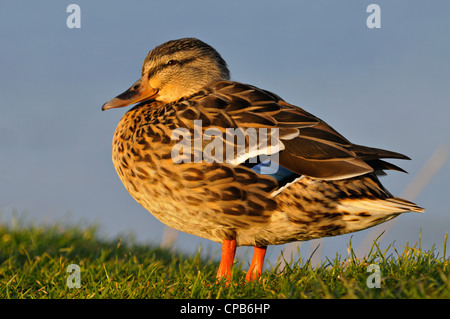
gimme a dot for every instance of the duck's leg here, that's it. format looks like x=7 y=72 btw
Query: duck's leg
x=226 y=263
x=256 y=266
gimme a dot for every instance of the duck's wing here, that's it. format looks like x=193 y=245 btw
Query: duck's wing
x=308 y=146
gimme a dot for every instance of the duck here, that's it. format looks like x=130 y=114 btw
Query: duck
x=238 y=165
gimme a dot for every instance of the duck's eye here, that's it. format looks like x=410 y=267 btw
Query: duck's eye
x=172 y=62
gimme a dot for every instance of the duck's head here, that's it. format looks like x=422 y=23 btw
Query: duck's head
x=173 y=70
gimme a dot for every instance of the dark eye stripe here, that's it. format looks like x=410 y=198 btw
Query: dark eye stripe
x=163 y=66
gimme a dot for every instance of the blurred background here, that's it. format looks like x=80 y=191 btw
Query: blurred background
x=385 y=88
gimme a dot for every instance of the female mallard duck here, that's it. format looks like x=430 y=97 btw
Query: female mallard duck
x=323 y=185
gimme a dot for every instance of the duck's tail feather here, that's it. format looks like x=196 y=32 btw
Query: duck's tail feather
x=387 y=205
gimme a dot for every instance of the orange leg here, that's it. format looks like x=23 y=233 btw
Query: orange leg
x=256 y=266
x=226 y=263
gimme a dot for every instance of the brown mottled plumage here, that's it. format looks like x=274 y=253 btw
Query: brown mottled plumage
x=329 y=186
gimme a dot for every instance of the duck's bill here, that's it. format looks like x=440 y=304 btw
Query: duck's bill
x=138 y=92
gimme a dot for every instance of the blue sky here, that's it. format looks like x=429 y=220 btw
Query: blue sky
x=385 y=88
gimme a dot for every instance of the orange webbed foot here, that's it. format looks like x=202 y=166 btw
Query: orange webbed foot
x=226 y=262
x=255 y=269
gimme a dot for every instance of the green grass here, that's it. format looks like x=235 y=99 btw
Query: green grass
x=34 y=260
